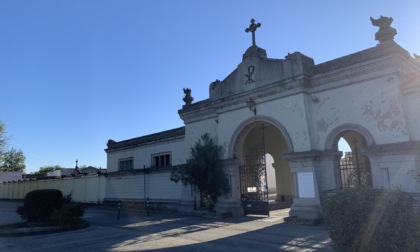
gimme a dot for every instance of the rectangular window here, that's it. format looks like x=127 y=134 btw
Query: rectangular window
x=125 y=165
x=162 y=160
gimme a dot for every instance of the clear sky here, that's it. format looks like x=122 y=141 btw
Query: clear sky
x=74 y=74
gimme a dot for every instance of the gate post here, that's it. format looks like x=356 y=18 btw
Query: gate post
x=231 y=201
x=306 y=203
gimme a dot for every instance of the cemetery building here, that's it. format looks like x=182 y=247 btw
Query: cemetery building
x=279 y=122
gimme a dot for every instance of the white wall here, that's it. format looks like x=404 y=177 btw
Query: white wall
x=85 y=189
x=373 y=104
x=143 y=155
x=158 y=186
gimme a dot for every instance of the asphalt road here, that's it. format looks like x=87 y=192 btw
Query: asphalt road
x=164 y=232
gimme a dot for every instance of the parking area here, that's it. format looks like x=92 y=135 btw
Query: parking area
x=165 y=232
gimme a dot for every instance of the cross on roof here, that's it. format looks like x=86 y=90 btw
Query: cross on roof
x=252 y=28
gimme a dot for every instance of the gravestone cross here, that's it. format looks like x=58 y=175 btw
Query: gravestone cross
x=252 y=28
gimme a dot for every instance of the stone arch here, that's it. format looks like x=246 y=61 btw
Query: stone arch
x=354 y=167
x=245 y=148
x=331 y=141
x=236 y=141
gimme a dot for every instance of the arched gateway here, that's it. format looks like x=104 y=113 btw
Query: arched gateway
x=265 y=177
x=280 y=122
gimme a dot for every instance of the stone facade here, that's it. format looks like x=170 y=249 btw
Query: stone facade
x=368 y=98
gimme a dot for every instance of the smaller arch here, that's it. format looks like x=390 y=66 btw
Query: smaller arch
x=332 y=139
x=247 y=125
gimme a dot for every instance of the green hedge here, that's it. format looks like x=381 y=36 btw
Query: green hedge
x=366 y=219
x=40 y=204
x=68 y=214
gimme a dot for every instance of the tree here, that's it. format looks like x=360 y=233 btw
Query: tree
x=204 y=171
x=415 y=175
x=11 y=160
x=3 y=139
x=48 y=168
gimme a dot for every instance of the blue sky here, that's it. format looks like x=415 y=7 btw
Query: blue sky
x=74 y=74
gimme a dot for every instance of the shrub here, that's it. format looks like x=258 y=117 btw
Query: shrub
x=39 y=204
x=204 y=171
x=68 y=214
x=21 y=210
x=366 y=219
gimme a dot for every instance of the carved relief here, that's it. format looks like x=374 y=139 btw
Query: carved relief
x=249 y=80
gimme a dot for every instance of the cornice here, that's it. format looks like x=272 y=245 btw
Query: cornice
x=411 y=147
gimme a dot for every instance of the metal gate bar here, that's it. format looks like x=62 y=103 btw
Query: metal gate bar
x=253 y=175
x=355 y=170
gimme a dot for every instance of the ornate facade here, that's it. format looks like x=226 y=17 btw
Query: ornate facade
x=296 y=111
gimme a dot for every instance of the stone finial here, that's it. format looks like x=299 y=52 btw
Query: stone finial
x=214 y=84
x=188 y=99
x=386 y=32
x=110 y=143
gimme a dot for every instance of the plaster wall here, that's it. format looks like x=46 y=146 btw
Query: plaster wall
x=142 y=156
x=288 y=112
x=373 y=104
x=158 y=186
x=194 y=131
x=394 y=171
x=411 y=99
x=262 y=71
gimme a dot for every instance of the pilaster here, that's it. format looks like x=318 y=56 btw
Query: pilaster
x=306 y=203
x=231 y=201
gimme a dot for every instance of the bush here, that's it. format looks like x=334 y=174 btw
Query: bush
x=39 y=204
x=21 y=210
x=68 y=214
x=204 y=171
x=366 y=219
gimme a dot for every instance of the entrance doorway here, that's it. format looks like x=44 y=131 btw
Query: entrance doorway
x=265 y=177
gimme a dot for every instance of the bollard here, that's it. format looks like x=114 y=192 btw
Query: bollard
x=147 y=205
x=119 y=209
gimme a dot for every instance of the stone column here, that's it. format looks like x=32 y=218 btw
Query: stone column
x=306 y=202
x=328 y=171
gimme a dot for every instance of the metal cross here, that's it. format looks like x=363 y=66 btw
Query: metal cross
x=252 y=28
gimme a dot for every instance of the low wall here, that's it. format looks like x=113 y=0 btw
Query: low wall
x=84 y=189
x=132 y=188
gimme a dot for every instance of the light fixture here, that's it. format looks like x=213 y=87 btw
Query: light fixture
x=251 y=105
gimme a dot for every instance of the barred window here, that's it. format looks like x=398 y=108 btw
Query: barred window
x=162 y=160
x=125 y=165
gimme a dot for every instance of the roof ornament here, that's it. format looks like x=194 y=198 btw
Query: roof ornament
x=76 y=170
x=188 y=98
x=252 y=28
x=416 y=57
x=386 y=32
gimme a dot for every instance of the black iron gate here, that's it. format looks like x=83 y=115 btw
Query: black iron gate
x=254 y=189
x=355 y=169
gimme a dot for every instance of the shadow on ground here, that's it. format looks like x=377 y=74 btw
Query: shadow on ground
x=163 y=232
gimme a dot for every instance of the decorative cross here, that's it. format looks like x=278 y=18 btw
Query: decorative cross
x=252 y=28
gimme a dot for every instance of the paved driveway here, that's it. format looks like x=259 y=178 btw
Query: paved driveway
x=163 y=232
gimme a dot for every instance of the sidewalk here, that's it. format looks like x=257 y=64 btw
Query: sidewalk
x=8 y=212
x=164 y=232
